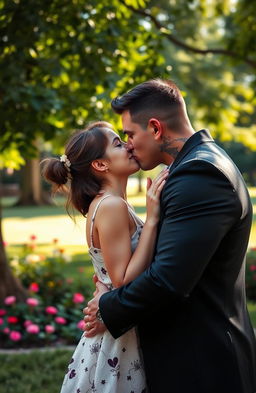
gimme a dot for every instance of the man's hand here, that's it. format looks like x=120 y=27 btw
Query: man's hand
x=92 y=325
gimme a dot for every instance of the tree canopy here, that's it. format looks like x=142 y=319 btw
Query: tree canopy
x=61 y=62
x=57 y=57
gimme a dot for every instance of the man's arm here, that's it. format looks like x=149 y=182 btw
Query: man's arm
x=199 y=207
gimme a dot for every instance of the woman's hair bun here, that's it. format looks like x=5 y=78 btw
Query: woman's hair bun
x=54 y=171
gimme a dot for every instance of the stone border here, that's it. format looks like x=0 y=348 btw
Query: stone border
x=36 y=349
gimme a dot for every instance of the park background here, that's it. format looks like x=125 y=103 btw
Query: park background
x=61 y=63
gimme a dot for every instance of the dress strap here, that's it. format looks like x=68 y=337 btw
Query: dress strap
x=138 y=222
x=93 y=217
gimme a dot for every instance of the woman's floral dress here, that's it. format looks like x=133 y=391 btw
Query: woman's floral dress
x=103 y=364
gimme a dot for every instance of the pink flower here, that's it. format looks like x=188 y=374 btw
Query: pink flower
x=27 y=323
x=34 y=287
x=2 y=312
x=33 y=328
x=12 y=319
x=5 y=243
x=31 y=301
x=1 y=321
x=6 y=330
x=78 y=298
x=15 y=336
x=33 y=237
x=81 y=325
x=9 y=300
x=49 y=329
x=61 y=320
x=51 y=310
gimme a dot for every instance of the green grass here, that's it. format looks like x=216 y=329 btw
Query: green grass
x=35 y=372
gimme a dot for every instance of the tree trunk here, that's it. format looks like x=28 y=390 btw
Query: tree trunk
x=31 y=192
x=9 y=285
x=140 y=177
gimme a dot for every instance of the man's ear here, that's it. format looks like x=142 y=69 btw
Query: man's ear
x=100 y=165
x=156 y=127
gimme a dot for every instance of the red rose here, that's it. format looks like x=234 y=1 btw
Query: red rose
x=12 y=319
x=34 y=287
x=2 y=312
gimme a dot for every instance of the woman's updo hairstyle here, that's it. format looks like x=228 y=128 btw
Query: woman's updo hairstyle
x=82 y=148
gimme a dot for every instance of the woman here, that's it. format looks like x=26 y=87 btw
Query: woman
x=98 y=165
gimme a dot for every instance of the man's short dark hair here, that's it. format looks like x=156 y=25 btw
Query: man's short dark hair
x=155 y=98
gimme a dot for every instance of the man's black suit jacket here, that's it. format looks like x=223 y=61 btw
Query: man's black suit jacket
x=190 y=304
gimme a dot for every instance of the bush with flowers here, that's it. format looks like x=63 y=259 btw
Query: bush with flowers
x=52 y=313
x=250 y=276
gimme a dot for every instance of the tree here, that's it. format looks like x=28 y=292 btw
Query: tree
x=9 y=285
x=57 y=60
x=62 y=61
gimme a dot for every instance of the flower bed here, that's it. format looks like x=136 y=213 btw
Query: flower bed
x=52 y=313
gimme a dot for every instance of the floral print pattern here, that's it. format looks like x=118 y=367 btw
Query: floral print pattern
x=104 y=365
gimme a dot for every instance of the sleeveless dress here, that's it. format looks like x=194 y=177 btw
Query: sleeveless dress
x=101 y=363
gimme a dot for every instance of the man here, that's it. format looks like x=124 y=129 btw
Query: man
x=190 y=305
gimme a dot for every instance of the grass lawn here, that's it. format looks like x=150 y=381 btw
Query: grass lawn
x=35 y=372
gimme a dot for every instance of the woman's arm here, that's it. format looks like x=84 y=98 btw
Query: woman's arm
x=112 y=223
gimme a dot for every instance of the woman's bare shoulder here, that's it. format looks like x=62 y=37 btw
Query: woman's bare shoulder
x=113 y=204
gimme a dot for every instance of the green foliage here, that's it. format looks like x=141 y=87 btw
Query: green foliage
x=59 y=62
x=252 y=311
x=11 y=158
x=243 y=155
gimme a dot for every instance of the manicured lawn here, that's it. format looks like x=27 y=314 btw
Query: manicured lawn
x=35 y=372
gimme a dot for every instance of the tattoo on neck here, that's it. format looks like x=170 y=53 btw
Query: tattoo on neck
x=167 y=145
